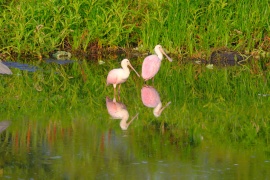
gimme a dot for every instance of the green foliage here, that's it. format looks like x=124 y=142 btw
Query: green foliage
x=38 y=27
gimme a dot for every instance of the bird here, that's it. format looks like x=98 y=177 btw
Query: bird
x=151 y=63
x=120 y=75
x=118 y=110
x=150 y=98
x=4 y=69
x=4 y=125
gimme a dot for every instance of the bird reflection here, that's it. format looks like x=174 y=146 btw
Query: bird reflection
x=118 y=110
x=150 y=98
x=4 y=125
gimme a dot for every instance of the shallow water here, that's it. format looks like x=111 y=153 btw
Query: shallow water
x=21 y=66
x=84 y=143
x=90 y=150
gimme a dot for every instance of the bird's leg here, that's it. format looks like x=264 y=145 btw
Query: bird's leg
x=162 y=127
x=119 y=88
x=114 y=92
x=119 y=97
x=119 y=92
x=153 y=80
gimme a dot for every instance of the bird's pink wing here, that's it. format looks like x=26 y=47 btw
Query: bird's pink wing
x=114 y=107
x=150 y=66
x=111 y=107
x=112 y=77
x=150 y=96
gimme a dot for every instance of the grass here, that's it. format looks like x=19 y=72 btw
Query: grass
x=183 y=27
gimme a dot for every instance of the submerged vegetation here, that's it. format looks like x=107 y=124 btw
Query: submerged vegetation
x=183 y=27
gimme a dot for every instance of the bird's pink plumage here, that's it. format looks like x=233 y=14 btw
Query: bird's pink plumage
x=150 y=96
x=114 y=107
x=150 y=66
x=112 y=77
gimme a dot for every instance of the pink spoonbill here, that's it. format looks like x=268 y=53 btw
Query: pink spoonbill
x=118 y=110
x=120 y=75
x=150 y=98
x=151 y=64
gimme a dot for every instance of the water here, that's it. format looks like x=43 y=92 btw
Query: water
x=31 y=68
x=85 y=143
x=21 y=66
x=84 y=149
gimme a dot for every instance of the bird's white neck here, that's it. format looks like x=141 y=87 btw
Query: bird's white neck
x=123 y=122
x=157 y=110
x=126 y=70
x=159 y=53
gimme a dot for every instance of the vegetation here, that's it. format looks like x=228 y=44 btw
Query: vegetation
x=226 y=104
x=183 y=27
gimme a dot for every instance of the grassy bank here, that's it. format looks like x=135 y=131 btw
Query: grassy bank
x=183 y=27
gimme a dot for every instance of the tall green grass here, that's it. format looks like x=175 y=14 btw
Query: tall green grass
x=185 y=27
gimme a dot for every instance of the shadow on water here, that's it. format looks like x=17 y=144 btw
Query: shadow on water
x=21 y=66
x=31 y=68
x=60 y=62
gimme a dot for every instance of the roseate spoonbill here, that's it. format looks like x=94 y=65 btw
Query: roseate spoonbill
x=4 y=125
x=151 y=98
x=4 y=69
x=118 y=110
x=151 y=64
x=120 y=75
